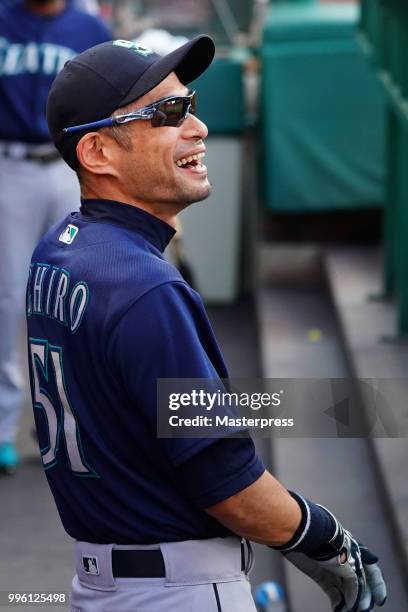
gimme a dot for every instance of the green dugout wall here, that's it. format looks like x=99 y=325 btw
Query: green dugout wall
x=384 y=38
x=322 y=112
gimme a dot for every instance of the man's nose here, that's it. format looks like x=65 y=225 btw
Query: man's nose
x=194 y=127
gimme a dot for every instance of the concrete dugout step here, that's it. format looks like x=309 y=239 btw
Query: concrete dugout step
x=339 y=473
x=368 y=325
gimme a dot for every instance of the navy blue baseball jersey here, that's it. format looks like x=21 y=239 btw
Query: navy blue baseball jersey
x=107 y=316
x=33 y=49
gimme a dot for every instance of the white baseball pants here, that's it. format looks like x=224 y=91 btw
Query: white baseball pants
x=33 y=196
x=201 y=576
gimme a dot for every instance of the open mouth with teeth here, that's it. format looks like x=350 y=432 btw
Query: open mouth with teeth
x=194 y=161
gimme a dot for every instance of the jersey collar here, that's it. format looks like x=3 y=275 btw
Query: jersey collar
x=156 y=231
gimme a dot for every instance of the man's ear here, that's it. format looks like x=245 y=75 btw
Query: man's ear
x=95 y=154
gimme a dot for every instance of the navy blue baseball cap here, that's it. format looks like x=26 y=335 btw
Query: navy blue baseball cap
x=113 y=74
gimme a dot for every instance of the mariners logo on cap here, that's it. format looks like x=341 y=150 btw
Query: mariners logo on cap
x=128 y=44
x=68 y=234
x=90 y=565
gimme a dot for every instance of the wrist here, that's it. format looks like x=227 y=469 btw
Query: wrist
x=332 y=547
x=319 y=531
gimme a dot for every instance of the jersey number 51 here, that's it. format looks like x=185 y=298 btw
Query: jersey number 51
x=60 y=420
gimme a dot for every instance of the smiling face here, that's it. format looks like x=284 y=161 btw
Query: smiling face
x=164 y=166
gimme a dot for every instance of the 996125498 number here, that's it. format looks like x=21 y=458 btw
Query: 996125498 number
x=19 y=598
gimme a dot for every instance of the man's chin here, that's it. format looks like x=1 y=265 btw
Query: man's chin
x=197 y=194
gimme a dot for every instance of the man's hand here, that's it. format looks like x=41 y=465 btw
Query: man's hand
x=375 y=591
x=348 y=574
x=309 y=536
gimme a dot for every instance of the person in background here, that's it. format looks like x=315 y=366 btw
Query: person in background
x=37 y=37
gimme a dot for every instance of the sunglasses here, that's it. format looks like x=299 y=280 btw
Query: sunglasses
x=171 y=111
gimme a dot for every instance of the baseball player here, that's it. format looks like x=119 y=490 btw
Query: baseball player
x=37 y=37
x=158 y=522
